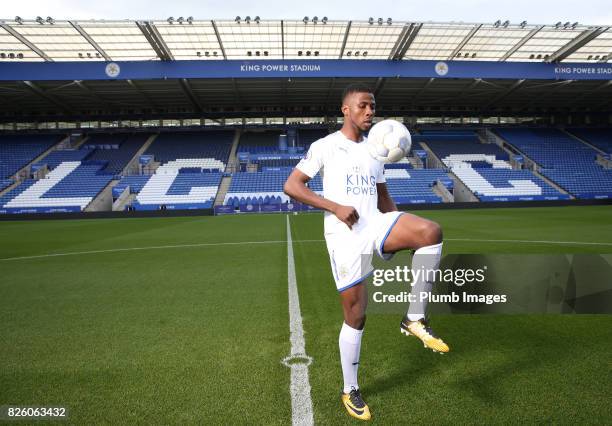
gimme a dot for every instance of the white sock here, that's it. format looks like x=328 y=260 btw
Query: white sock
x=350 y=345
x=425 y=259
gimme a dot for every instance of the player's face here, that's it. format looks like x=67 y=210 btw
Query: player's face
x=359 y=108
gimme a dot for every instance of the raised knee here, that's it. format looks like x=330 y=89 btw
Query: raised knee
x=431 y=233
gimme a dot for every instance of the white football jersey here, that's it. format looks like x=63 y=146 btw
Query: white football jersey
x=349 y=174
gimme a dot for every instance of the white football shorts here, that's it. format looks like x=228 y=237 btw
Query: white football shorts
x=350 y=253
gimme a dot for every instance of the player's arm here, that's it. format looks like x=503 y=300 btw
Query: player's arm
x=385 y=202
x=296 y=188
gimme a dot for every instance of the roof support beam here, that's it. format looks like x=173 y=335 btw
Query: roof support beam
x=515 y=86
x=576 y=43
x=400 y=40
x=94 y=95
x=550 y=92
x=586 y=93
x=468 y=88
x=332 y=82
x=190 y=94
x=464 y=42
x=155 y=40
x=380 y=83
x=236 y=92
x=405 y=42
x=423 y=89
x=25 y=41
x=521 y=43
x=282 y=39
x=91 y=41
x=49 y=98
x=214 y=25
x=146 y=97
x=346 y=34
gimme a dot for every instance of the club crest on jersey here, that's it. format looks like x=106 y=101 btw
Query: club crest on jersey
x=343 y=271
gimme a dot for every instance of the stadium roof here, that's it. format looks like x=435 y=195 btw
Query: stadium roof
x=60 y=54
x=179 y=39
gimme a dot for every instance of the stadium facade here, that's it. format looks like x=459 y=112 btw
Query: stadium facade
x=195 y=114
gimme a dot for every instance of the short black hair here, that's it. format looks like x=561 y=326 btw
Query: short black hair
x=355 y=88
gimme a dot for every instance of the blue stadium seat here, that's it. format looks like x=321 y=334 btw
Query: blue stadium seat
x=563 y=159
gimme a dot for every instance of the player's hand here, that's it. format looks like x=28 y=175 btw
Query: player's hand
x=347 y=214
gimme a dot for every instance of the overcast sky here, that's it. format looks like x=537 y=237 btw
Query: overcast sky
x=482 y=11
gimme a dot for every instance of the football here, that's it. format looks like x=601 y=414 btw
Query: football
x=389 y=141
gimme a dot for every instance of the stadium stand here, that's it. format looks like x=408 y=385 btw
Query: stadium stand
x=563 y=159
x=484 y=168
x=117 y=149
x=413 y=186
x=263 y=188
x=192 y=165
x=600 y=138
x=16 y=151
x=213 y=145
x=259 y=142
x=5 y=183
x=135 y=183
x=490 y=184
x=308 y=136
x=71 y=186
x=459 y=147
x=55 y=158
x=190 y=174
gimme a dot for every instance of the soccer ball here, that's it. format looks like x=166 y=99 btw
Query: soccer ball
x=389 y=141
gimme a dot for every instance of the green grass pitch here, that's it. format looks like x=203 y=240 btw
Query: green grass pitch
x=153 y=321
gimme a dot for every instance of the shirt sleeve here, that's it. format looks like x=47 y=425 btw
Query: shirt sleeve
x=313 y=161
x=380 y=178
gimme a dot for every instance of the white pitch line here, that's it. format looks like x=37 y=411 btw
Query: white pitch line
x=238 y=243
x=301 y=403
x=77 y=253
